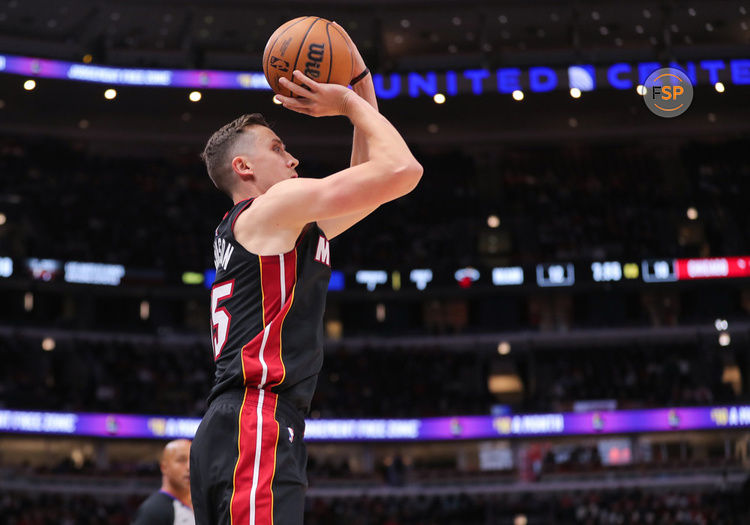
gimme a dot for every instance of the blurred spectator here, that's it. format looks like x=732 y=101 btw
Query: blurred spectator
x=632 y=507
x=121 y=376
x=553 y=203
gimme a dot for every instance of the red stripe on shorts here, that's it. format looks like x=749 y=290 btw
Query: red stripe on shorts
x=252 y=495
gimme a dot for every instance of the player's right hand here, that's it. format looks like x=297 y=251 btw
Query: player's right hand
x=315 y=99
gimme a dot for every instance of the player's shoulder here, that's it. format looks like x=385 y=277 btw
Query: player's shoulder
x=155 y=509
x=288 y=193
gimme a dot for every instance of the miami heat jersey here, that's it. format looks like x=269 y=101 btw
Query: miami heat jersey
x=267 y=313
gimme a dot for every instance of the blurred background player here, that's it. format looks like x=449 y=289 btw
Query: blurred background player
x=273 y=264
x=172 y=504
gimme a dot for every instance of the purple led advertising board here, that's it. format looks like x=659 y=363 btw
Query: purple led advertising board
x=536 y=79
x=443 y=428
x=42 y=68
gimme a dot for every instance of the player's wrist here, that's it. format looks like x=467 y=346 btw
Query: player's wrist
x=364 y=86
x=354 y=106
x=364 y=72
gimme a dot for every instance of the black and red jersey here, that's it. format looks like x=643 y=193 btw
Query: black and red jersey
x=267 y=313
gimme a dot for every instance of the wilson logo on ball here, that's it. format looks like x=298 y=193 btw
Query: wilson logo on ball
x=315 y=54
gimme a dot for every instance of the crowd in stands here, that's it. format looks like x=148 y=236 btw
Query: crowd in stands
x=635 y=376
x=376 y=465
x=136 y=377
x=553 y=203
x=18 y=508
x=402 y=383
x=593 y=508
x=633 y=507
x=110 y=377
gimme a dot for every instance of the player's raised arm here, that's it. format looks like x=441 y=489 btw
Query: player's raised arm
x=389 y=172
x=363 y=86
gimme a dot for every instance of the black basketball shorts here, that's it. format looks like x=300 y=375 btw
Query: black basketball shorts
x=248 y=461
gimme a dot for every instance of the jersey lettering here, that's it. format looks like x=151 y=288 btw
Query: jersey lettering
x=259 y=302
x=222 y=252
x=220 y=318
x=323 y=253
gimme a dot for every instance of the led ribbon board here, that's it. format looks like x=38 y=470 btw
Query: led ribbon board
x=428 y=429
x=538 y=79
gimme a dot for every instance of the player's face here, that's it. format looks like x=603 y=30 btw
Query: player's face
x=176 y=464
x=271 y=161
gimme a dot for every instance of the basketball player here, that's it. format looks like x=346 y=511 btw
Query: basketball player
x=172 y=504
x=273 y=261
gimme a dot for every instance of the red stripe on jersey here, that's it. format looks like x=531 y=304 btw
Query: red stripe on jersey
x=252 y=496
x=273 y=351
x=270 y=272
x=263 y=364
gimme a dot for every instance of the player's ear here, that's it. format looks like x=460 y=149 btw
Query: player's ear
x=242 y=166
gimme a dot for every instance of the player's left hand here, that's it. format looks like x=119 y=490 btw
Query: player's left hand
x=315 y=98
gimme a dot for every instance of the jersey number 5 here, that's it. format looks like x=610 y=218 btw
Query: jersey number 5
x=220 y=318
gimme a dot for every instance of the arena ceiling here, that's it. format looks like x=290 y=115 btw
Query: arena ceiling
x=394 y=35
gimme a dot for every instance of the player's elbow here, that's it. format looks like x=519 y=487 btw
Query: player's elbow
x=408 y=174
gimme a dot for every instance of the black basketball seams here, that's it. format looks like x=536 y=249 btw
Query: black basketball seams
x=271 y=46
x=351 y=55
x=330 y=54
x=302 y=44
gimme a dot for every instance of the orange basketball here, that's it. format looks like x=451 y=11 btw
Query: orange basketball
x=314 y=46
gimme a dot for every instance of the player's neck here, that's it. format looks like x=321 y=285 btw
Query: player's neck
x=248 y=191
x=182 y=496
x=238 y=199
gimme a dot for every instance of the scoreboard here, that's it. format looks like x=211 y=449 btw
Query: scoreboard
x=559 y=274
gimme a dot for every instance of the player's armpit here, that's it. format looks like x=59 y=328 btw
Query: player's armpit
x=338 y=225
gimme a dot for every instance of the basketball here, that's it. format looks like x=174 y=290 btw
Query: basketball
x=314 y=46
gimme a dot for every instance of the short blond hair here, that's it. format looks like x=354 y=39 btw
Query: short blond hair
x=220 y=144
